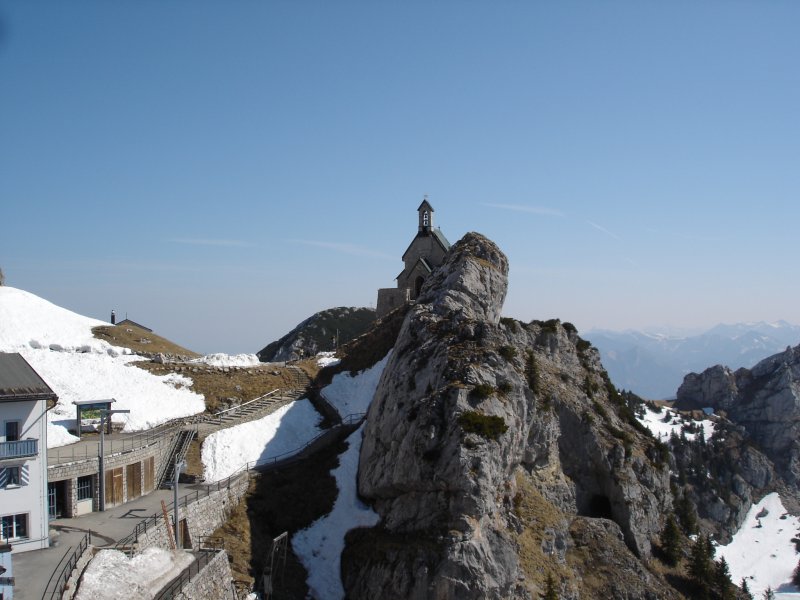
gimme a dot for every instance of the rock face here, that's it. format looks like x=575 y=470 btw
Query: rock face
x=765 y=400
x=315 y=333
x=496 y=453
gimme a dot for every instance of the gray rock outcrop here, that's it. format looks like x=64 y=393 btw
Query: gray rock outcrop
x=765 y=400
x=322 y=331
x=494 y=451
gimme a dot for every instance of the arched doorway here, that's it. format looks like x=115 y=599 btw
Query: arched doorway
x=418 y=285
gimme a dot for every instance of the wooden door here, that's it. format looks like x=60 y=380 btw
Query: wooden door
x=134 y=480
x=149 y=474
x=114 y=487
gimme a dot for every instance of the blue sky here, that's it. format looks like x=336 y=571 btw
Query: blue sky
x=221 y=171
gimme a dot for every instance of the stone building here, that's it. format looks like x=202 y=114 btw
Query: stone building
x=426 y=252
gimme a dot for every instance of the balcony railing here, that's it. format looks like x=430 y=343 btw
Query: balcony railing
x=19 y=449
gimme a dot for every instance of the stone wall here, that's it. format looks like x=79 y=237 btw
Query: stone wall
x=213 y=582
x=389 y=299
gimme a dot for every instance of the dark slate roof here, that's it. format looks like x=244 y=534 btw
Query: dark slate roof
x=134 y=323
x=442 y=240
x=18 y=380
x=424 y=203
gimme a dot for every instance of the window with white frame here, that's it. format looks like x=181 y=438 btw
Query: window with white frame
x=14 y=527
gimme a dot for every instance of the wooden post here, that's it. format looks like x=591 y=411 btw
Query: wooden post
x=170 y=534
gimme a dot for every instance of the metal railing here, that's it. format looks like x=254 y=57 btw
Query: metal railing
x=58 y=580
x=240 y=406
x=350 y=420
x=85 y=451
x=177 y=453
x=19 y=448
x=202 y=558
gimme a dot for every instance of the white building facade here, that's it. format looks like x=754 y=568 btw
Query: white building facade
x=24 y=401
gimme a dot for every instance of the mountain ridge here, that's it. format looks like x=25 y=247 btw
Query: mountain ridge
x=653 y=364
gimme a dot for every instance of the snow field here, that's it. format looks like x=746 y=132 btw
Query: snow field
x=319 y=547
x=111 y=575
x=59 y=345
x=287 y=429
x=762 y=550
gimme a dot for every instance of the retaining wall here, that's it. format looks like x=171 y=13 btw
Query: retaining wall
x=212 y=583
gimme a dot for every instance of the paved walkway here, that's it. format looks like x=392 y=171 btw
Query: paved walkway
x=33 y=569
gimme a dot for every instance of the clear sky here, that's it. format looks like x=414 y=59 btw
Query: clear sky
x=220 y=171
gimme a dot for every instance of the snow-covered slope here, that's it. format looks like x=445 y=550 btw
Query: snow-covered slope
x=287 y=429
x=351 y=395
x=762 y=550
x=320 y=546
x=60 y=346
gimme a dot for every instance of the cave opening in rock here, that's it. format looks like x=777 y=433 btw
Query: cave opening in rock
x=600 y=507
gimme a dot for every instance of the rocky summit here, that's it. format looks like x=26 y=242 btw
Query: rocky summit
x=500 y=458
x=322 y=331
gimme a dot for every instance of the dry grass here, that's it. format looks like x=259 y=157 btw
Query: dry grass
x=230 y=386
x=139 y=340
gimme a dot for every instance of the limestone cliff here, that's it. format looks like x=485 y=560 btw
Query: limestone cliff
x=764 y=400
x=498 y=453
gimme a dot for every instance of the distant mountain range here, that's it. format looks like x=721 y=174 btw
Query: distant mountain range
x=654 y=365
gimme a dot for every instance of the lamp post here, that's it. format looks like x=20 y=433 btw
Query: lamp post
x=105 y=413
x=179 y=465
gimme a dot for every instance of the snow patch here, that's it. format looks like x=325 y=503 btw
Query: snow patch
x=319 y=547
x=111 y=575
x=228 y=360
x=326 y=359
x=353 y=394
x=661 y=429
x=287 y=429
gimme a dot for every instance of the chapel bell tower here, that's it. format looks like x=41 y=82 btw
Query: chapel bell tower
x=425 y=211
